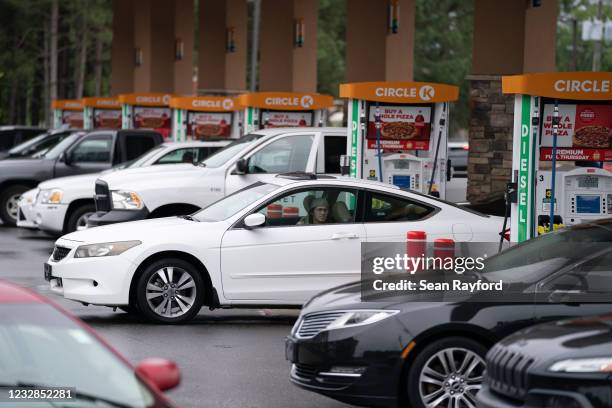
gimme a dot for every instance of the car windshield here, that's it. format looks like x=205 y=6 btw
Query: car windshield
x=228 y=152
x=28 y=143
x=145 y=157
x=532 y=260
x=230 y=205
x=41 y=346
x=62 y=146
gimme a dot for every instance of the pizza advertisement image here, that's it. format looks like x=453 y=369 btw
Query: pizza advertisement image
x=159 y=119
x=402 y=127
x=107 y=118
x=201 y=125
x=74 y=119
x=275 y=119
x=585 y=132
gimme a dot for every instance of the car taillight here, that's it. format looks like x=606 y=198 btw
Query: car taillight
x=466 y=147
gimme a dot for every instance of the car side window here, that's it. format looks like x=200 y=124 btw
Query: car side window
x=94 y=149
x=186 y=155
x=288 y=154
x=136 y=145
x=592 y=276
x=388 y=208
x=311 y=207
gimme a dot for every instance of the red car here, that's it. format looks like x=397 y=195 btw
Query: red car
x=43 y=347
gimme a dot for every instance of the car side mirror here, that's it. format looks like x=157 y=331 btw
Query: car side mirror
x=164 y=374
x=242 y=166
x=254 y=220
x=66 y=158
x=562 y=295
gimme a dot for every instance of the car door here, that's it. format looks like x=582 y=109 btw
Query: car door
x=285 y=154
x=388 y=217
x=295 y=254
x=583 y=290
x=92 y=154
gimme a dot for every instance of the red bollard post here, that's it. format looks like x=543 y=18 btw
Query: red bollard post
x=444 y=249
x=275 y=210
x=416 y=242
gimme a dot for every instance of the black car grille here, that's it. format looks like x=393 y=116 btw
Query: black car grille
x=102 y=196
x=304 y=371
x=507 y=372
x=312 y=324
x=60 y=253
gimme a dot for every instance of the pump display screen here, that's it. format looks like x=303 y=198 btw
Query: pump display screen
x=588 y=182
x=401 y=127
x=274 y=119
x=588 y=204
x=201 y=125
x=401 y=181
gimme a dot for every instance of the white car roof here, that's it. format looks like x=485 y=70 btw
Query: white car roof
x=278 y=131
x=198 y=143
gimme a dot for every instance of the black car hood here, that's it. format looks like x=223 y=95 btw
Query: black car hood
x=552 y=342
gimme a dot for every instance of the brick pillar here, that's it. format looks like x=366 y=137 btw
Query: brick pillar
x=184 y=32
x=491 y=126
x=510 y=37
x=122 y=54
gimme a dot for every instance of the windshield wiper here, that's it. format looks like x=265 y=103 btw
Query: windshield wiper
x=188 y=218
x=75 y=395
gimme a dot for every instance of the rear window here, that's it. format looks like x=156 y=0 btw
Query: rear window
x=136 y=145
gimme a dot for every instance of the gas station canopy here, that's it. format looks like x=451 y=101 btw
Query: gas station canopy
x=286 y=101
x=400 y=92
x=561 y=85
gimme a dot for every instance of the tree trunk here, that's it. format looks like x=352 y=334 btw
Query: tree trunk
x=80 y=85
x=46 y=79
x=98 y=67
x=53 y=50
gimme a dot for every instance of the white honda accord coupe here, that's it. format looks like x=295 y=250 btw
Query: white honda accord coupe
x=274 y=243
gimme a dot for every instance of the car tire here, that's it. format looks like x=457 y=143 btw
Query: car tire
x=172 y=283
x=9 y=198
x=434 y=382
x=77 y=219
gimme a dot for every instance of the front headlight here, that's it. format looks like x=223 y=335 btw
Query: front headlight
x=52 y=196
x=360 y=317
x=126 y=200
x=583 y=365
x=104 y=249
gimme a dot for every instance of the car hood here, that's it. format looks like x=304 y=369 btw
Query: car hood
x=168 y=173
x=128 y=231
x=17 y=163
x=71 y=182
x=551 y=342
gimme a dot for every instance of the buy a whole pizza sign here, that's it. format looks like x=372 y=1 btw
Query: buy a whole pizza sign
x=584 y=133
x=401 y=127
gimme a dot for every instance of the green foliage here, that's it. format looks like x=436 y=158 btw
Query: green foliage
x=443 y=49
x=331 y=43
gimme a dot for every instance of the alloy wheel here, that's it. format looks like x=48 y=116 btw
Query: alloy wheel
x=451 y=378
x=12 y=206
x=171 y=292
x=81 y=222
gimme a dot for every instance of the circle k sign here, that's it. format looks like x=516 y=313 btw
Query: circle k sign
x=427 y=92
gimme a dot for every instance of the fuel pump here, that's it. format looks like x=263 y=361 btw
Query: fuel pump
x=561 y=120
x=147 y=111
x=205 y=117
x=101 y=113
x=67 y=112
x=262 y=110
x=398 y=133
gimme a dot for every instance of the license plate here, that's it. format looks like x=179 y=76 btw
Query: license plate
x=47 y=268
x=290 y=350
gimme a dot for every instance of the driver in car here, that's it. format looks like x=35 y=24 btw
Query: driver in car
x=317 y=212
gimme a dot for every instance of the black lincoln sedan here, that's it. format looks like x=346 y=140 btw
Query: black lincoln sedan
x=432 y=354
x=565 y=364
